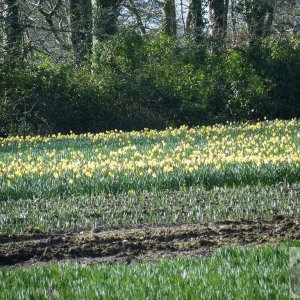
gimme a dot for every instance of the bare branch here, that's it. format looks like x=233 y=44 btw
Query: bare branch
x=48 y=17
x=132 y=7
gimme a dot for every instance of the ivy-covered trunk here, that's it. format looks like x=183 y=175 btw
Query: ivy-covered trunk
x=13 y=31
x=105 y=14
x=81 y=27
x=195 y=19
x=259 y=16
x=218 y=10
x=170 y=24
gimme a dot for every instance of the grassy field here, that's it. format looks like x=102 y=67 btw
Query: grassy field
x=231 y=273
x=140 y=196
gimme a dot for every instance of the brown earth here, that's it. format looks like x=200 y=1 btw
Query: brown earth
x=144 y=243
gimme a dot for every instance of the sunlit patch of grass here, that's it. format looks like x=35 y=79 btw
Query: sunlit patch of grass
x=231 y=273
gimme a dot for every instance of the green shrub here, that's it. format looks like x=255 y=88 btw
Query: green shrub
x=133 y=81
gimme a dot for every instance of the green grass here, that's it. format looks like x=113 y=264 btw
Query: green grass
x=149 y=208
x=231 y=273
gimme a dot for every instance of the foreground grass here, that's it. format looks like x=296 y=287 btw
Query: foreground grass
x=231 y=273
x=116 y=162
x=184 y=206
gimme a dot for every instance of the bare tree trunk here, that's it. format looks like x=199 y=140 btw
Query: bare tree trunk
x=81 y=27
x=233 y=22
x=182 y=17
x=170 y=24
x=13 y=32
x=137 y=16
x=218 y=10
x=225 y=18
x=195 y=21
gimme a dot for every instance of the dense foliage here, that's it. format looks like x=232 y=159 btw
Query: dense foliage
x=133 y=82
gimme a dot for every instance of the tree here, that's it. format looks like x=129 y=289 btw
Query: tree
x=170 y=24
x=259 y=16
x=195 y=18
x=218 y=10
x=286 y=18
x=137 y=16
x=49 y=18
x=13 y=31
x=105 y=14
x=81 y=24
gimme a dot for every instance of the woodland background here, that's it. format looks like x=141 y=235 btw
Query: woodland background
x=96 y=65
